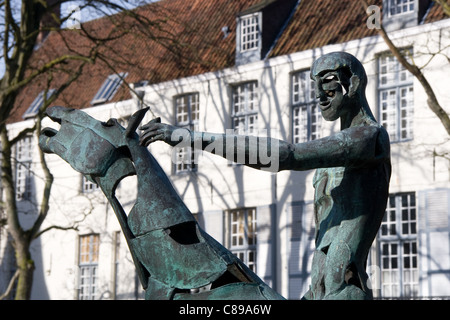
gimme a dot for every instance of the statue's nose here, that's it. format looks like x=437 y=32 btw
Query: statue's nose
x=321 y=95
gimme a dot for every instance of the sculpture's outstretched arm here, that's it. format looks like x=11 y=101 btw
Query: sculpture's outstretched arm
x=257 y=152
x=355 y=146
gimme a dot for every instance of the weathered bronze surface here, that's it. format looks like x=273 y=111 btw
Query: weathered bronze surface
x=171 y=252
x=174 y=255
x=351 y=182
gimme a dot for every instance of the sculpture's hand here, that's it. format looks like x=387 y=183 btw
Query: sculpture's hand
x=156 y=131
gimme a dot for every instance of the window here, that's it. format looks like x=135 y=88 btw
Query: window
x=250 y=32
x=109 y=88
x=396 y=98
x=187 y=112
x=88 y=266
x=23 y=168
x=42 y=98
x=396 y=7
x=398 y=247
x=244 y=107
x=306 y=115
x=88 y=186
x=242 y=235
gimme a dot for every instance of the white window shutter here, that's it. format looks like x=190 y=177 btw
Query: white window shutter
x=434 y=244
x=301 y=247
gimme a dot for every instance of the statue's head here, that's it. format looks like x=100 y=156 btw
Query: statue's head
x=340 y=82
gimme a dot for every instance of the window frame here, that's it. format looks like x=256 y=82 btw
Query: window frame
x=186 y=157
x=109 y=88
x=88 y=268
x=391 y=6
x=398 y=250
x=395 y=99
x=244 y=107
x=242 y=234
x=306 y=117
x=37 y=103
x=23 y=174
x=88 y=186
x=250 y=40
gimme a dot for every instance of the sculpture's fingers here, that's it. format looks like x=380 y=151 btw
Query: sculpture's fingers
x=150 y=123
x=147 y=126
x=150 y=137
x=153 y=131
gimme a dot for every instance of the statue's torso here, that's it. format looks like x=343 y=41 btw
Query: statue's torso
x=350 y=197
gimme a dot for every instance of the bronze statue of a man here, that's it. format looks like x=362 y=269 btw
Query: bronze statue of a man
x=351 y=182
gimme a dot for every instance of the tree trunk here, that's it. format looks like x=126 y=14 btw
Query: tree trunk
x=26 y=270
x=21 y=238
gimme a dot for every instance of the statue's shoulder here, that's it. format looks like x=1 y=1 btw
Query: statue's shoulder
x=382 y=134
x=374 y=129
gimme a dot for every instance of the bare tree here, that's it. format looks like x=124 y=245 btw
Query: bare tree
x=432 y=101
x=21 y=31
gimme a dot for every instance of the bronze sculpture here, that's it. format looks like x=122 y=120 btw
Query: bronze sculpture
x=351 y=189
x=172 y=254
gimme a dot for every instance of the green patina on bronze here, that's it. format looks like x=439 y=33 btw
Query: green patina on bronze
x=173 y=255
x=171 y=252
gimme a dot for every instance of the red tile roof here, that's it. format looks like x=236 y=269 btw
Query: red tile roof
x=189 y=41
x=317 y=23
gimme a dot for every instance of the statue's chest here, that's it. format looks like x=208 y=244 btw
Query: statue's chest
x=327 y=179
x=326 y=182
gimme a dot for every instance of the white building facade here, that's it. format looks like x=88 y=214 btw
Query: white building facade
x=266 y=219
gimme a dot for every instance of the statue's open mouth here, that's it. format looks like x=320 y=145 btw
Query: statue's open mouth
x=325 y=105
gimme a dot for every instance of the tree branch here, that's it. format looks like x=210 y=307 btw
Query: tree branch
x=45 y=68
x=432 y=100
x=38 y=234
x=10 y=285
x=48 y=177
x=22 y=134
x=445 y=6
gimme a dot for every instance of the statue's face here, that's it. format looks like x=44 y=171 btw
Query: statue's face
x=332 y=87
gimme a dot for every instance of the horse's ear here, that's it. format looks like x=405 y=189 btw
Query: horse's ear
x=134 y=121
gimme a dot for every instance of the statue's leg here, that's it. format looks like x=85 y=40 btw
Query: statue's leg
x=317 y=289
x=344 y=276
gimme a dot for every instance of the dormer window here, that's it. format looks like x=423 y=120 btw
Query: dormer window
x=109 y=88
x=258 y=28
x=249 y=39
x=34 y=107
x=401 y=14
x=397 y=7
x=250 y=32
